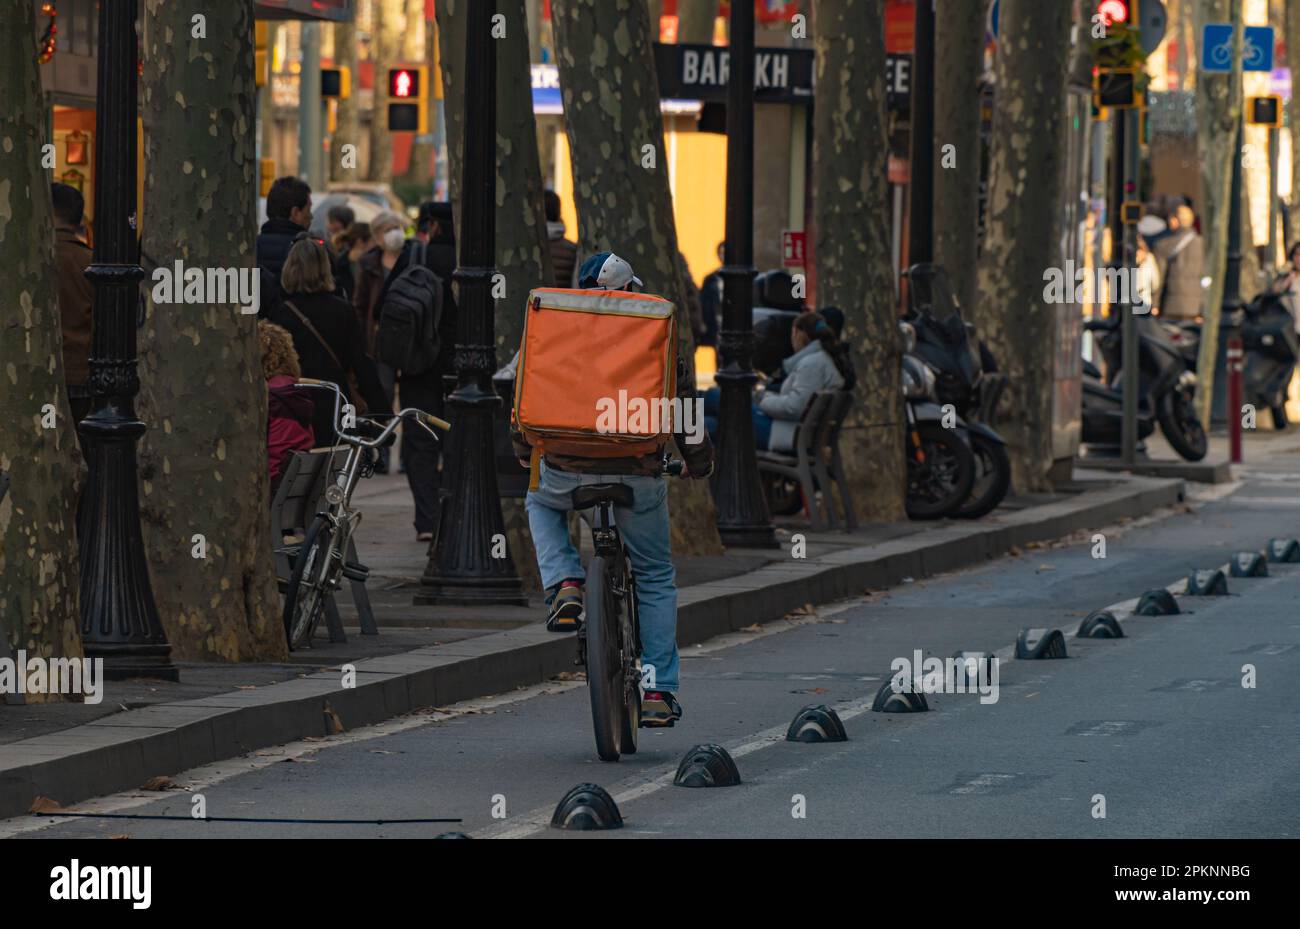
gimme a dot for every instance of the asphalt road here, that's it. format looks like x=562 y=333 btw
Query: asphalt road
x=1158 y=723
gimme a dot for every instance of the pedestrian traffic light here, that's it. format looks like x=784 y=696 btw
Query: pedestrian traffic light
x=336 y=83
x=1131 y=212
x=1112 y=11
x=407 y=110
x=1115 y=87
x=1265 y=111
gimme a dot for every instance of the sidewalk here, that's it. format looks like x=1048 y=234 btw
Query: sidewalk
x=434 y=656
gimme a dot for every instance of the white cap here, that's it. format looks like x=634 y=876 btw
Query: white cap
x=615 y=274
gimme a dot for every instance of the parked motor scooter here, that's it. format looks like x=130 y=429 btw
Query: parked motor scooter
x=940 y=463
x=966 y=377
x=1166 y=393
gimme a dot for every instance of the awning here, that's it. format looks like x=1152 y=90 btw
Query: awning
x=339 y=11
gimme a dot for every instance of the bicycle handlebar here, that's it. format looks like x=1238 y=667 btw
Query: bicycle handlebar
x=426 y=419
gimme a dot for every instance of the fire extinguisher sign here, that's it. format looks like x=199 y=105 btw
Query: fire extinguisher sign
x=792 y=248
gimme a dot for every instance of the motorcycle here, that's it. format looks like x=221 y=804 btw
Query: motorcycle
x=1271 y=349
x=964 y=377
x=1166 y=393
x=940 y=463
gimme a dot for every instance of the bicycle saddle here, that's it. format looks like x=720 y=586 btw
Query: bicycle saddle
x=589 y=495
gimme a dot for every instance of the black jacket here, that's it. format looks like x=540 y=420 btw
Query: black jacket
x=335 y=320
x=440 y=258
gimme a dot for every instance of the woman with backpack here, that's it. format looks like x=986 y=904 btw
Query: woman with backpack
x=410 y=275
x=325 y=334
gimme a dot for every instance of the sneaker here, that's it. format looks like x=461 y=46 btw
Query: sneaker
x=564 y=608
x=659 y=708
x=424 y=537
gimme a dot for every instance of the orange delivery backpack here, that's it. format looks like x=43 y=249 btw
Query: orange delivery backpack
x=597 y=374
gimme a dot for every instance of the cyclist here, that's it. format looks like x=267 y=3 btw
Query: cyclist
x=644 y=528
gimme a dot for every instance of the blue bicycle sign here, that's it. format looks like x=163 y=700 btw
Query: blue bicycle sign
x=1256 y=51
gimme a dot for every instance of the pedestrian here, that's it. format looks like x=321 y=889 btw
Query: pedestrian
x=1180 y=258
x=373 y=267
x=76 y=295
x=564 y=253
x=1150 y=230
x=288 y=211
x=325 y=334
x=423 y=389
x=289 y=409
x=338 y=221
x=1288 y=284
x=711 y=300
x=817 y=364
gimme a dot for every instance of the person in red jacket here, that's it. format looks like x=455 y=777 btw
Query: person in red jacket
x=288 y=408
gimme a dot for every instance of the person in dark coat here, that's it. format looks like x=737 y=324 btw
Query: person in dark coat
x=424 y=391
x=76 y=295
x=564 y=253
x=288 y=212
x=325 y=333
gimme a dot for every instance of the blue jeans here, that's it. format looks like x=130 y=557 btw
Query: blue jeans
x=712 y=407
x=644 y=530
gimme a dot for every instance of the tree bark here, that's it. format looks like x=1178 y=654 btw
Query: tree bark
x=1218 y=108
x=1022 y=240
x=386 y=46
x=694 y=21
x=851 y=205
x=39 y=576
x=959 y=45
x=347 y=132
x=1293 y=118
x=620 y=172
x=203 y=467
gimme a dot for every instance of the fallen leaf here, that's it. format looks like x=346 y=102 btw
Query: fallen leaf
x=120 y=835
x=246 y=687
x=1014 y=551
x=1046 y=567
x=44 y=805
x=754 y=628
x=333 y=722
x=381 y=751
x=159 y=782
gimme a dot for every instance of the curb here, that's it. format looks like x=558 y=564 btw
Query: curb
x=122 y=751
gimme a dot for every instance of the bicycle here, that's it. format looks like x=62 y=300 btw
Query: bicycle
x=609 y=641
x=319 y=564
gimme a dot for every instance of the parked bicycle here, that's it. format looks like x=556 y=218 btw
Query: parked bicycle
x=319 y=566
x=609 y=641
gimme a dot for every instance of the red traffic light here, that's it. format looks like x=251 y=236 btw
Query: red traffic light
x=404 y=82
x=1112 y=11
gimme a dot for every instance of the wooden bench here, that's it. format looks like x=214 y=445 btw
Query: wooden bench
x=297 y=501
x=816 y=462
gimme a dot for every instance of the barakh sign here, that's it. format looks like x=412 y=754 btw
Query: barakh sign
x=700 y=72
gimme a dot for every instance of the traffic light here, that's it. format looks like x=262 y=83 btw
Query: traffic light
x=1265 y=111
x=266 y=175
x=336 y=83
x=1115 y=87
x=407 y=108
x=1113 y=11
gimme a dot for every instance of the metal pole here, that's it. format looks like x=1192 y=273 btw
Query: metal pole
x=461 y=568
x=920 y=239
x=743 y=519
x=309 y=109
x=119 y=619
x=1235 y=367
x=1272 y=199
x=1122 y=257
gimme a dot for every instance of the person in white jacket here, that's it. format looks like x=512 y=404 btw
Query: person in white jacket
x=816 y=365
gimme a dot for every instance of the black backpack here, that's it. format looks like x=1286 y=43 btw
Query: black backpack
x=408 y=320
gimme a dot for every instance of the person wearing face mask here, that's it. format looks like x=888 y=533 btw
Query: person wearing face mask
x=379 y=269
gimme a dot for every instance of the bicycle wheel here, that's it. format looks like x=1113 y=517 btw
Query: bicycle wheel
x=630 y=629
x=604 y=664
x=304 y=601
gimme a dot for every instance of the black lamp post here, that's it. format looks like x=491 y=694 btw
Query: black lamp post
x=119 y=620
x=461 y=568
x=920 y=223
x=743 y=519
